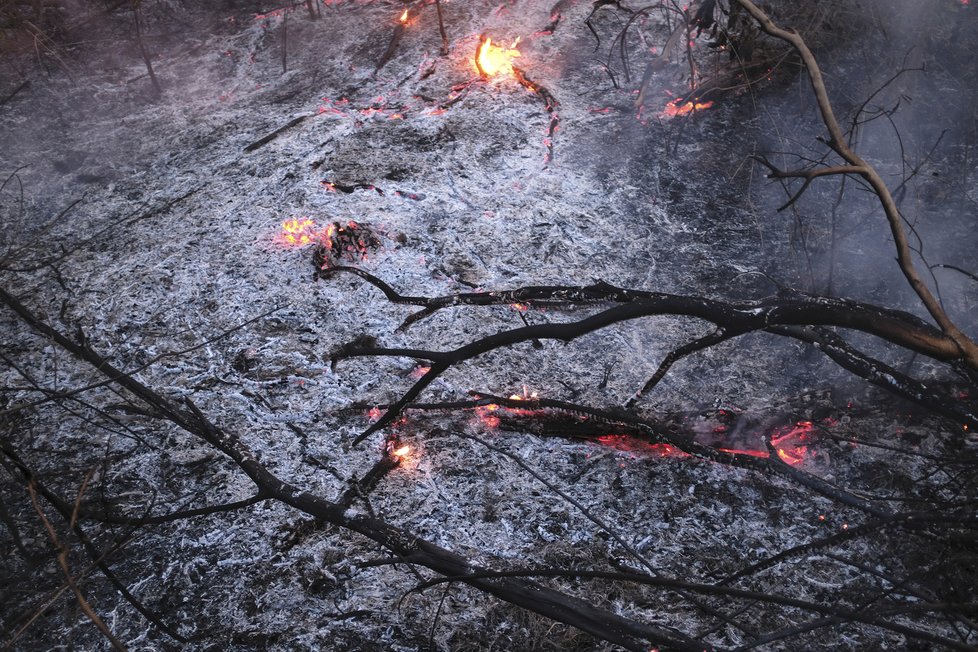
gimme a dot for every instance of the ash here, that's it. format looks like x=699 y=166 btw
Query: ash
x=152 y=228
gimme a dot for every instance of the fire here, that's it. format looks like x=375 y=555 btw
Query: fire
x=486 y=416
x=302 y=232
x=527 y=395
x=678 y=108
x=404 y=17
x=791 y=443
x=297 y=233
x=638 y=447
x=492 y=60
x=401 y=452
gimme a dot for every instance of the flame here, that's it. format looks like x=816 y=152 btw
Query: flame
x=401 y=452
x=492 y=60
x=678 y=108
x=404 y=17
x=297 y=233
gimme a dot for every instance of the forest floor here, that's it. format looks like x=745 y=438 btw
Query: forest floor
x=168 y=231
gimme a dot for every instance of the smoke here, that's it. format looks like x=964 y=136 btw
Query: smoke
x=904 y=91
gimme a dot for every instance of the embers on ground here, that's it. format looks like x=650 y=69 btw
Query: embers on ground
x=352 y=241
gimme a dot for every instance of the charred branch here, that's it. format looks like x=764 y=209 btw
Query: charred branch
x=550 y=104
x=414 y=550
x=775 y=315
x=877 y=617
x=73 y=514
x=147 y=60
x=441 y=28
x=869 y=499
x=391 y=47
x=264 y=140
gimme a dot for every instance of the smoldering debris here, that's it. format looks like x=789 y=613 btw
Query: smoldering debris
x=184 y=238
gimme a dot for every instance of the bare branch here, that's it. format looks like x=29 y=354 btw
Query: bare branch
x=837 y=141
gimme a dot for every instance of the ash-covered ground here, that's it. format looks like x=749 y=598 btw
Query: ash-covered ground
x=152 y=227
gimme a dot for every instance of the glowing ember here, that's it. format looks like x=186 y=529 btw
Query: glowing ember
x=297 y=233
x=678 y=108
x=744 y=451
x=418 y=372
x=401 y=452
x=404 y=17
x=492 y=60
x=791 y=443
x=374 y=413
x=486 y=416
x=639 y=447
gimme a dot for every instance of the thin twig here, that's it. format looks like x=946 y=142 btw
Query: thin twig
x=62 y=558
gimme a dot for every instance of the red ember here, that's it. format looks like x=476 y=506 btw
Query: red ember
x=677 y=108
x=791 y=442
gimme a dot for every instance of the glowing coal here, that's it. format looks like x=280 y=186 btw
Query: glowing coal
x=791 y=442
x=679 y=108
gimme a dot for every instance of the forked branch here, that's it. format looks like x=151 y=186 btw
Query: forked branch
x=854 y=164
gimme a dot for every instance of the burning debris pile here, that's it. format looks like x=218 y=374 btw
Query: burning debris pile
x=463 y=366
x=333 y=243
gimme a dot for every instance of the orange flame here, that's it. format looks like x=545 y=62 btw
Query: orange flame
x=297 y=233
x=404 y=17
x=401 y=452
x=302 y=232
x=492 y=60
x=677 y=108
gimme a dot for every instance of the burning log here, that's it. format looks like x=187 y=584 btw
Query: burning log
x=394 y=454
x=779 y=316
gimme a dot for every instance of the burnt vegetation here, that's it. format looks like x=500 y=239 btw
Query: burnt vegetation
x=107 y=550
